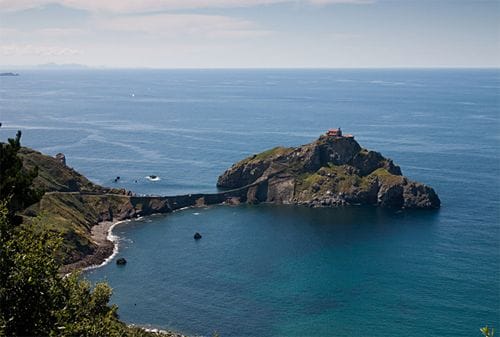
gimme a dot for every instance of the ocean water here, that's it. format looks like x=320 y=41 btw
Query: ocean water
x=279 y=270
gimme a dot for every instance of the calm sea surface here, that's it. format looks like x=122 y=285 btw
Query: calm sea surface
x=278 y=270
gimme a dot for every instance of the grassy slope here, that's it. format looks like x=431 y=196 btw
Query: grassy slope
x=266 y=155
x=70 y=215
x=53 y=176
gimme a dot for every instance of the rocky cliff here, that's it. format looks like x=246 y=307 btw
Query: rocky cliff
x=71 y=205
x=331 y=171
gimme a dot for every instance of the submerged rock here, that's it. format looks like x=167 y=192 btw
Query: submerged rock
x=197 y=236
x=121 y=261
x=331 y=171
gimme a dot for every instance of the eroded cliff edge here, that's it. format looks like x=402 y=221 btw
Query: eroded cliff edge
x=334 y=170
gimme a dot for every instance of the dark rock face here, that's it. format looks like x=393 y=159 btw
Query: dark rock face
x=121 y=261
x=391 y=196
x=368 y=161
x=246 y=174
x=331 y=171
x=337 y=151
x=416 y=195
x=61 y=157
x=197 y=236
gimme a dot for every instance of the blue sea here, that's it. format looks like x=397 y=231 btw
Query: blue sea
x=263 y=270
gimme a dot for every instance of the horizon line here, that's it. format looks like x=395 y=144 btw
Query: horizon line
x=76 y=66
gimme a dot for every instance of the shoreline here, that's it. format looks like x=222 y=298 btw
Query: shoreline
x=107 y=248
x=103 y=232
x=102 y=235
x=107 y=244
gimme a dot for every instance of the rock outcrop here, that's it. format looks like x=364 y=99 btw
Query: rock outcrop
x=61 y=157
x=331 y=171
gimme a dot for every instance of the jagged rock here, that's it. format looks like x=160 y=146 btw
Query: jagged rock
x=337 y=151
x=257 y=193
x=127 y=212
x=331 y=171
x=368 y=161
x=391 y=196
x=61 y=158
x=280 y=189
x=232 y=201
x=419 y=196
x=246 y=174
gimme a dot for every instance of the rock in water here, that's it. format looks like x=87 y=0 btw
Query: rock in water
x=334 y=170
x=121 y=261
x=197 y=236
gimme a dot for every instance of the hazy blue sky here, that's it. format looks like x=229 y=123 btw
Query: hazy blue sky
x=251 y=33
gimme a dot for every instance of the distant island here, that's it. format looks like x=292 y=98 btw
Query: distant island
x=332 y=171
x=9 y=74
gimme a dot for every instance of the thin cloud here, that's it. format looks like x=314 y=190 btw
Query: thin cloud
x=176 y=25
x=42 y=36
x=331 y=2
x=143 y=6
x=22 y=50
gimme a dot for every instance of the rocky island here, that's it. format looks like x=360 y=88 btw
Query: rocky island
x=334 y=170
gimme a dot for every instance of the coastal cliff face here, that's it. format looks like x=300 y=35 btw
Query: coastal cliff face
x=331 y=171
x=71 y=205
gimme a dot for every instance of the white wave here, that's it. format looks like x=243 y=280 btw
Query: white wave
x=115 y=240
x=345 y=80
x=386 y=82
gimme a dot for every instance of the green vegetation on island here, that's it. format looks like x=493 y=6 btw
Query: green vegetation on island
x=332 y=171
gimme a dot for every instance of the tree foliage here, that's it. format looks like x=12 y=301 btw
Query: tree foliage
x=35 y=300
x=30 y=289
x=16 y=182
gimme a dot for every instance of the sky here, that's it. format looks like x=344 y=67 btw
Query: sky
x=251 y=33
